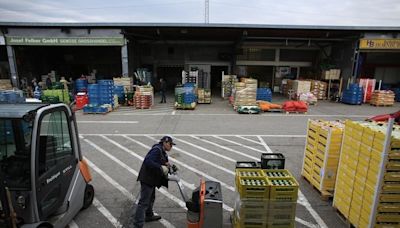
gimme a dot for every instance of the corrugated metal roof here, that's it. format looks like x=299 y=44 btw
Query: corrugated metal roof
x=200 y=25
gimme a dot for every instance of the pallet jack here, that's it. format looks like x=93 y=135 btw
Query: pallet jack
x=204 y=208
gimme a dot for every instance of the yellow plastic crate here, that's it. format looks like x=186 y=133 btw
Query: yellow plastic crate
x=354 y=217
x=245 y=172
x=277 y=173
x=355 y=144
x=311 y=148
x=249 y=223
x=392 y=176
x=393 y=187
x=254 y=187
x=312 y=141
x=390 y=198
x=363 y=223
x=393 y=166
x=388 y=217
x=365 y=150
x=376 y=157
x=313 y=135
x=389 y=207
x=308 y=162
x=394 y=154
x=284 y=189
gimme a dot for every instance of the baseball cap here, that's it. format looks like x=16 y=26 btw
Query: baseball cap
x=167 y=139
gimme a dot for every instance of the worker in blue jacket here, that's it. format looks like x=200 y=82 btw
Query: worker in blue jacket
x=152 y=174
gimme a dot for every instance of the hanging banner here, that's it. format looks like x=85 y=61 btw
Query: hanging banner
x=52 y=41
x=380 y=44
x=2 y=40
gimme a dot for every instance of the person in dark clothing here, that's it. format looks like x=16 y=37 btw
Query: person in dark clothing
x=163 y=88
x=48 y=82
x=152 y=174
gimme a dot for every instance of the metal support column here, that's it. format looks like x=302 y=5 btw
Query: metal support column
x=13 y=66
x=356 y=55
x=124 y=58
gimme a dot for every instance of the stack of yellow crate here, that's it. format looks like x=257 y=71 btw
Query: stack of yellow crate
x=373 y=202
x=321 y=154
x=267 y=198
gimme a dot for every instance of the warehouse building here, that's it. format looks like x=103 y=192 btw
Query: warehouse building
x=269 y=53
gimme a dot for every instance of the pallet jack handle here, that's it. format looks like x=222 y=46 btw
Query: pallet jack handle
x=173 y=176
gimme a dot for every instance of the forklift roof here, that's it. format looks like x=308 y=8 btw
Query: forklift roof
x=18 y=110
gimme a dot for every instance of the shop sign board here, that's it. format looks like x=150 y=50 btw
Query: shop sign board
x=56 y=41
x=2 y=40
x=380 y=44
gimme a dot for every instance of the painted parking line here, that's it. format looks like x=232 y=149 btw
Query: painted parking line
x=147 y=147
x=307 y=205
x=187 y=166
x=106 y=213
x=123 y=190
x=250 y=140
x=197 y=135
x=107 y=122
x=239 y=144
x=303 y=200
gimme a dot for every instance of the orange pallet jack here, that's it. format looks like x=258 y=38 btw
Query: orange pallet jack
x=204 y=209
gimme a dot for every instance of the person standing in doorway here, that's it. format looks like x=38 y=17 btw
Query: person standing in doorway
x=152 y=174
x=48 y=82
x=163 y=88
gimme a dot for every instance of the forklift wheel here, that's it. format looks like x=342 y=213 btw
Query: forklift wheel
x=89 y=195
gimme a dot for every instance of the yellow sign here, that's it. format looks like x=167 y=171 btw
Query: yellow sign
x=380 y=44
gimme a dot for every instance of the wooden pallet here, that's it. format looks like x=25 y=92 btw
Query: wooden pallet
x=184 y=108
x=274 y=110
x=343 y=218
x=143 y=107
x=324 y=194
x=382 y=105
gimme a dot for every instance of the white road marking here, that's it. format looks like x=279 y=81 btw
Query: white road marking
x=206 y=150
x=173 y=112
x=73 y=224
x=199 y=158
x=199 y=135
x=188 y=185
x=139 y=157
x=250 y=140
x=247 y=116
x=303 y=200
x=107 y=122
x=181 y=203
x=239 y=144
x=265 y=145
x=305 y=223
x=135 y=173
x=227 y=148
x=106 y=213
x=188 y=167
x=123 y=190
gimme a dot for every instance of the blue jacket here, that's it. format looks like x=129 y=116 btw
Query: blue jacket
x=151 y=172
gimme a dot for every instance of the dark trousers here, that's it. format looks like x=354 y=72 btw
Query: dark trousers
x=145 y=206
x=163 y=99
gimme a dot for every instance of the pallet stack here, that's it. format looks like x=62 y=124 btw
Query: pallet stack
x=267 y=198
x=246 y=96
x=144 y=97
x=228 y=82
x=368 y=184
x=126 y=82
x=382 y=98
x=321 y=155
x=203 y=96
x=319 y=88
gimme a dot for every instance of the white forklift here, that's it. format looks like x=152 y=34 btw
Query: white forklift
x=44 y=182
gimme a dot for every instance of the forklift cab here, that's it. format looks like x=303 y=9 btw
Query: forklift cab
x=44 y=182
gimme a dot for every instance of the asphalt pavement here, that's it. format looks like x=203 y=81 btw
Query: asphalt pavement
x=210 y=139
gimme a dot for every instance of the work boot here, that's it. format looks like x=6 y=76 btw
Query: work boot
x=152 y=218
